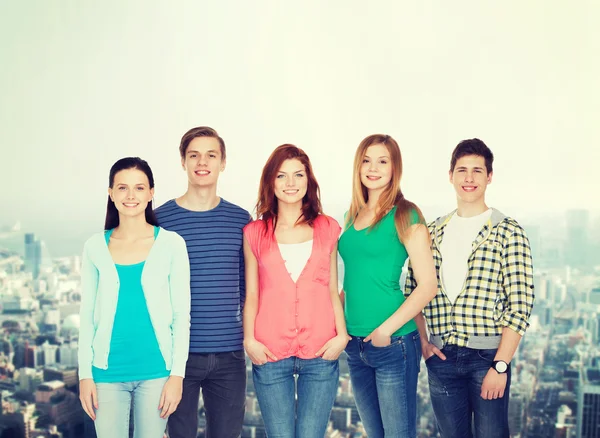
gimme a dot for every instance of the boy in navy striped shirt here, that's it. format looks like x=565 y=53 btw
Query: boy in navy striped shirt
x=212 y=229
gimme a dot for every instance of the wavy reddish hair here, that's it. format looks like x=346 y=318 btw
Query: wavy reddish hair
x=267 y=205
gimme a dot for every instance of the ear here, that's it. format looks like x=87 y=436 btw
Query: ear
x=183 y=163
x=450 y=176
x=223 y=164
x=110 y=194
x=489 y=177
x=151 y=193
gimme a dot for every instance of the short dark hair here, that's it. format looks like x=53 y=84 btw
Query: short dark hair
x=200 y=131
x=112 y=214
x=473 y=146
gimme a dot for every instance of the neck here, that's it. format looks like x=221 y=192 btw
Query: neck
x=467 y=209
x=132 y=227
x=199 y=198
x=373 y=200
x=288 y=214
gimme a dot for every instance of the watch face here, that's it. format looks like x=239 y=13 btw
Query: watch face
x=501 y=366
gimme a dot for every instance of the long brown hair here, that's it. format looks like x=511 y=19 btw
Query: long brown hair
x=267 y=205
x=392 y=195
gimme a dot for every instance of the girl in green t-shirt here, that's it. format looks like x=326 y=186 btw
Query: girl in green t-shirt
x=382 y=230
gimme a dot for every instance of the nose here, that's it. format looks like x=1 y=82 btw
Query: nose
x=289 y=182
x=469 y=177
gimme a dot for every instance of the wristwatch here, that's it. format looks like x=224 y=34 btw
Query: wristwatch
x=500 y=366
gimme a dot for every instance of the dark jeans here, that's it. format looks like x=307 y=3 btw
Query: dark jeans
x=455 y=388
x=299 y=408
x=384 y=381
x=222 y=378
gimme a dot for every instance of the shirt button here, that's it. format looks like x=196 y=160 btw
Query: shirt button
x=296 y=314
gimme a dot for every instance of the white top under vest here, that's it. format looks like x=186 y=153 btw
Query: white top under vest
x=456 y=247
x=295 y=256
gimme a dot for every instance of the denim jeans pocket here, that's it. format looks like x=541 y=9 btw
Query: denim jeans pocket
x=394 y=342
x=487 y=354
x=418 y=352
x=239 y=355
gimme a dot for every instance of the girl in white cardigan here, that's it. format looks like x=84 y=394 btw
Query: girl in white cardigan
x=135 y=312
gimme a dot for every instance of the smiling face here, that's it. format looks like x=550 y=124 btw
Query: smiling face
x=470 y=179
x=376 y=167
x=203 y=161
x=131 y=192
x=291 y=182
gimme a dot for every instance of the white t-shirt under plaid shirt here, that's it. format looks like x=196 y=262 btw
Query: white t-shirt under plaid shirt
x=456 y=248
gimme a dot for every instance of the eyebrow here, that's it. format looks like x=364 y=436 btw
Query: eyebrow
x=383 y=156
x=295 y=171
x=465 y=167
x=192 y=151
x=136 y=184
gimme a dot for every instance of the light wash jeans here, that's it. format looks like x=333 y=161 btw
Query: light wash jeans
x=384 y=381
x=288 y=416
x=114 y=402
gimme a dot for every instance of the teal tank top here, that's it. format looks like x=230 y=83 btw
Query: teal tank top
x=134 y=352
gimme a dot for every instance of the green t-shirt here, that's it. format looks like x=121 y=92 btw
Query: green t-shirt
x=373 y=261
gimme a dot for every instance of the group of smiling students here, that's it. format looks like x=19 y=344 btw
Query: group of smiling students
x=172 y=297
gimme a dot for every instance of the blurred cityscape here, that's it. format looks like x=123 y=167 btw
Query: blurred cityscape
x=555 y=389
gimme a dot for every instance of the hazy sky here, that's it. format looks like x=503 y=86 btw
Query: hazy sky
x=83 y=83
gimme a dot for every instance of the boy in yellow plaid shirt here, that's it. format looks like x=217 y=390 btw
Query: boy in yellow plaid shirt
x=472 y=328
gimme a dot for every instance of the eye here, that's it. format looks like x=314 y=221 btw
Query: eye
x=280 y=176
x=300 y=175
x=192 y=155
x=140 y=188
x=383 y=161
x=213 y=156
x=122 y=188
x=365 y=160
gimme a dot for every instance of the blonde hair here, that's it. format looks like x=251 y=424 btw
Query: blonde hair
x=392 y=195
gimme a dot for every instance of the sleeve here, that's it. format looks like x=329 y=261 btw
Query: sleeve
x=179 y=284
x=517 y=271
x=334 y=232
x=411 y=283
x=242 y=274
x=89 y=290
x=251 y=232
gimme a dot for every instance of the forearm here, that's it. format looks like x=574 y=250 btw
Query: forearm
x=422 y=327
x=412 y=307
x=249 y=317
x=508 y=345
x=338 y=312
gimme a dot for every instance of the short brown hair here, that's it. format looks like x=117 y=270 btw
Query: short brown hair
x=200 y=131
x=473 y=146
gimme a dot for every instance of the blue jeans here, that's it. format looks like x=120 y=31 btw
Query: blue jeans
x=384 y=381
x=114 y=403
x=455 y=388
x=222 y=378
x=276 y=393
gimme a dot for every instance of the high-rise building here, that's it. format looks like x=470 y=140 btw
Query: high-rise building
x=577 y=244
x=588 y=405
x=33 y=254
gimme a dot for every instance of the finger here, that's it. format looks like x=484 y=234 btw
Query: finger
x=165 y=409
x=87 y=407
x=270 y=355
x=501 y=393
x=367 y=339
x=321 y=351
x=95 y=398
x=439 y=353
x=172 y=409
x=162 y=400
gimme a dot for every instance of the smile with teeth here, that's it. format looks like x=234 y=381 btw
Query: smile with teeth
x=373 y=177
x=130 y=204
x=202 y=172
x=290 y=191
x=469 y=188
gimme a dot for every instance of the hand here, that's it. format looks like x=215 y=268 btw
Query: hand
x=378 y=338
x=88 y=397
x=429 y=350
x=493 y=385
x=170 y=396
x=333 y=347
x=257 y=352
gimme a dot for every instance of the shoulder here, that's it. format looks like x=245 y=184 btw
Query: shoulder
x=170 y=236
x=509 y=227
x=167 y=206
x=234 y=210
x=254 y=227
x=95 y=241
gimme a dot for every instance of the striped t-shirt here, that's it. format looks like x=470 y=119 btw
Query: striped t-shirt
x=214 y=243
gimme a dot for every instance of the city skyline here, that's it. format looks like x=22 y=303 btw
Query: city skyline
x=84 y=85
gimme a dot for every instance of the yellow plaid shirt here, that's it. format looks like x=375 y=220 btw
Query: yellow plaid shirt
x=498 y=288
